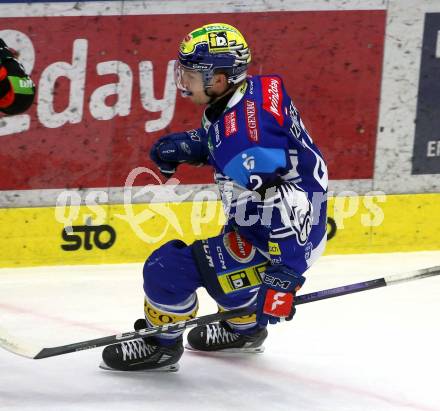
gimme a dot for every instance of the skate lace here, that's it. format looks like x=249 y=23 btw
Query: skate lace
x=216 y=334
x=135 y=349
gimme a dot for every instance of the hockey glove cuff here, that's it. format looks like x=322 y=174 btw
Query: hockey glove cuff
x=276 y=297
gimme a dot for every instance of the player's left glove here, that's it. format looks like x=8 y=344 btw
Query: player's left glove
x=173 y=149
x=276 y=296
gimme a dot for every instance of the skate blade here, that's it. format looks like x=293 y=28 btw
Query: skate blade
x=166 y=368
x=249 y=350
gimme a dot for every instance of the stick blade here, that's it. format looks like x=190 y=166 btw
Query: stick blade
x=413 y=275
x=15 y=346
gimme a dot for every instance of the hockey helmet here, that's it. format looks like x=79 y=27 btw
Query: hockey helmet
x=215 y=47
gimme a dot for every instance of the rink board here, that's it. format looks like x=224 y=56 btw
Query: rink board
x=99 y=110
x=129 y=233
x=365 y=78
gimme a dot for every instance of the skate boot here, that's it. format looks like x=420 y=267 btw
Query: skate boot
x=220 y=337
x=142 y=354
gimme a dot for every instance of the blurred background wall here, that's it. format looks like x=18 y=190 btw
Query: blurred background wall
x=76 y=183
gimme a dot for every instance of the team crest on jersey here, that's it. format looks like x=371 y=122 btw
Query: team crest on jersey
x=251 y=120
x=273 y=97
x=238 y=248
x=230 y=122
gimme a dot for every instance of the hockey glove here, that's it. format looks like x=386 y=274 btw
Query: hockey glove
x=17 y=90
x=276 y=296
x=171 y=150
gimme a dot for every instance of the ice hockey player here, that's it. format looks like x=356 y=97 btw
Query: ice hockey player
x=17 y=90
x=273 y=184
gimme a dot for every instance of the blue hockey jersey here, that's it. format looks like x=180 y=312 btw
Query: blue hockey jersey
x=271 y=176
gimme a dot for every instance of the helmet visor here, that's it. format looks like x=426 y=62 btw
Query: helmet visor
x=187 y=80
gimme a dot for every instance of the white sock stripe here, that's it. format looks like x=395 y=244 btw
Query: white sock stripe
x=167 y=336
x=241 y=327
x=185 y=307
x=250 y=302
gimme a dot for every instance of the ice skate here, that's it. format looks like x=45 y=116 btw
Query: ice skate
x=142 y=354
x=220 y=337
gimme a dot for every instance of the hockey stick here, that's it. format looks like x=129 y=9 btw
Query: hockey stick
x=12 y=345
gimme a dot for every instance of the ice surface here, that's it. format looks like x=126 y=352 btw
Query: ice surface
x=377 y=350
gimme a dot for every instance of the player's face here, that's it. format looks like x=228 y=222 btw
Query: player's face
x=190 y=82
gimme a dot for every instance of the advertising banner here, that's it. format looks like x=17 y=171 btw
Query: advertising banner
x=123 y=233
x=407 y=156
x=426 y=158
x=106 y=90
x=363 y=73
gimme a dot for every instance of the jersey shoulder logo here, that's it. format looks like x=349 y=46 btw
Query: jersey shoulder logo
x=273 y=97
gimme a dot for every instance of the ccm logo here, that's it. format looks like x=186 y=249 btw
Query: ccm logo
x=276 y=282
x=92 y=236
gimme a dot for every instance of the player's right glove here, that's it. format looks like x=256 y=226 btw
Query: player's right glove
x=276 y=296
x=171 y=150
